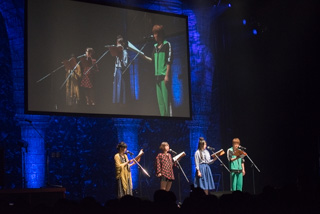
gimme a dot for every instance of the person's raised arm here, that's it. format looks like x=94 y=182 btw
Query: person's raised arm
x=229 y=155
x=214 y=158
x=149 y=59
x=118 y=162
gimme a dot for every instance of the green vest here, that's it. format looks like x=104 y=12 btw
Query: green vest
x=161 y=58
x=236 y=164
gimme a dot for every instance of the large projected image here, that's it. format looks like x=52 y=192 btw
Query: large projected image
x=86 y=58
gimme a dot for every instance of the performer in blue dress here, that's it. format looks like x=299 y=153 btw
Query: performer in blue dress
x=119 y=89
x=203 y=178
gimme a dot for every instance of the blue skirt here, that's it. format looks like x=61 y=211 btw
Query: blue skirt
x=206 y=180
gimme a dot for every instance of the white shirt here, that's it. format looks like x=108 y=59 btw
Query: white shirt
x=206 y=158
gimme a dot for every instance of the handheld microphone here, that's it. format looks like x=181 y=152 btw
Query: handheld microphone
x=210 y=148
x=29 y=121
x=170 y=150
x=241 y=147
x=130 y=153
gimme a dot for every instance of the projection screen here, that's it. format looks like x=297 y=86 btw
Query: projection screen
x=84 y=58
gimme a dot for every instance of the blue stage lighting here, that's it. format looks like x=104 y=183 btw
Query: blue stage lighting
x=255 y=32
x=244 y=22
x=229 y=5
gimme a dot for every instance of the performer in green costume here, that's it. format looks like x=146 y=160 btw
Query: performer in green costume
x=236 y=164
x=162 y=58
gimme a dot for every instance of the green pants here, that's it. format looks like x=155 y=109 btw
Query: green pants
x=236 y=181
x=162 y=95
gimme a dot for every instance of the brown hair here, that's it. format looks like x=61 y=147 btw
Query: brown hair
x=159 y=30
x=90 y=50
x=121 y=145
x=236 y=141
x=163 y=145
x=201 y=145
x=120 y=39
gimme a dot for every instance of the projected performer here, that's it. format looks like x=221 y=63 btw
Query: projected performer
x=164 y=167
x=89 y=67
x=119 y=94
x=72 y=84
x=236 y=163
x=123 y=173
x=162 y=58
x=202 y=159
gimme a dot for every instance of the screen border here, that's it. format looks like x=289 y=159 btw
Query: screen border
x=104 y=115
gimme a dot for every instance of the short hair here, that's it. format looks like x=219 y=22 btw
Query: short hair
x=201 y=143
x=120 y=39
x=90 y=50
x=163 y=145
x=121 y=145
x=159 y=29
x=236 y=141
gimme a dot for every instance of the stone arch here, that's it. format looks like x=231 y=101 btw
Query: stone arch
x=13 y=18
x=33 y=163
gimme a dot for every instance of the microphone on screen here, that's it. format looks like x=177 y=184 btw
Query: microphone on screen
x=170 y=150
x=130 y=153
x=210 y=148
x=81 y=55
x=148 y=37
x=241 y=147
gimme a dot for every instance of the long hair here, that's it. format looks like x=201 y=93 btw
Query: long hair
x=201 y=145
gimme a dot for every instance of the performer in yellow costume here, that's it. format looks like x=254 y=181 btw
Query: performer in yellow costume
x=123 y=173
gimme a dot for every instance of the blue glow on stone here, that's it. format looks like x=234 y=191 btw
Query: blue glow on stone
x=35 y=157
x=177 y=86
x=134 y=78
x=128 y=132
x=132 y=142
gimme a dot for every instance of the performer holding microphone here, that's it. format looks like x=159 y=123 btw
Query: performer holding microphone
x=235 y=156
x=202 y=159
x=164 y=167
x=123 y=173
